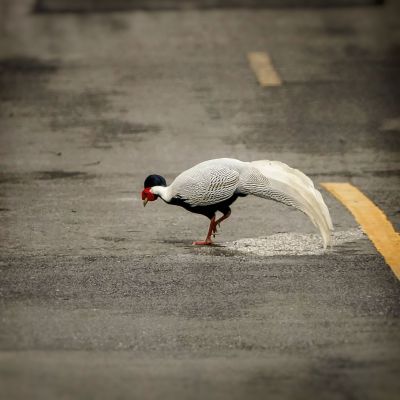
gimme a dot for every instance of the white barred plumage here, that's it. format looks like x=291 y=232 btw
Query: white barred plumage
x=215 y=184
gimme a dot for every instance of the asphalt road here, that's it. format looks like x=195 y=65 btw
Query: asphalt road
x=100 y=298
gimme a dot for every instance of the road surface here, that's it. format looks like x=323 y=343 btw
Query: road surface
x=101 y=298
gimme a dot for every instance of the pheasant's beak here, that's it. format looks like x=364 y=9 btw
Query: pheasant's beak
x=145 y=202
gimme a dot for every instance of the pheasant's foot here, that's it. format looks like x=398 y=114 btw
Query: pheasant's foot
x=212 y=230
x=203 y=243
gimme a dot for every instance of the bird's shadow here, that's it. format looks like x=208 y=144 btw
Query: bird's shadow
x=189 y=243
x=186 y=246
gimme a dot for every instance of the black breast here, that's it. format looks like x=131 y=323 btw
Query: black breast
x=210 y=210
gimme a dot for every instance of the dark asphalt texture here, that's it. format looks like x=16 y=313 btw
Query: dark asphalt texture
x=101 y=298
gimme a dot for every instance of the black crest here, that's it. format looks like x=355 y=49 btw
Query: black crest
x=155 y=180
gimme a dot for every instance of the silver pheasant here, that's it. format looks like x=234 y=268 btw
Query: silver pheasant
x=214 y=185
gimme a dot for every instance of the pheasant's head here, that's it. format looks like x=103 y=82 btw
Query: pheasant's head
x=151 y=181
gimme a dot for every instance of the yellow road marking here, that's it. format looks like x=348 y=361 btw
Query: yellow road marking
x=261 y=64
x=372 y=220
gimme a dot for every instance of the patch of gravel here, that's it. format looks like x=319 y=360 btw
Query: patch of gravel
x=293 y=243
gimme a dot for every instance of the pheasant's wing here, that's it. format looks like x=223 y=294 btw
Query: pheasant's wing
x=205 y=185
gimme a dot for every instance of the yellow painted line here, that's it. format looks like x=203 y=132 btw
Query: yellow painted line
x=372 y=220
x=261 y=64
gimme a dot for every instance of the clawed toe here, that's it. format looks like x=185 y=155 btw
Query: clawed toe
x=202 y=243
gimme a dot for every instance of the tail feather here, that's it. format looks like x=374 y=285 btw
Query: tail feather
x=277 y=181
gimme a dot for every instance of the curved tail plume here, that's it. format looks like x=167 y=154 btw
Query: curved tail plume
x=277 y=181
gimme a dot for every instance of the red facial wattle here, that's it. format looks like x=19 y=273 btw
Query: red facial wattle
x=147 y=195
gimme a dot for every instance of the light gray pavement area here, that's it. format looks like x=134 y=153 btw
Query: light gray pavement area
x=101 y=298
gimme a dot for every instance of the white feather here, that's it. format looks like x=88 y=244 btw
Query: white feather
x=208 y=183
x=277 y=181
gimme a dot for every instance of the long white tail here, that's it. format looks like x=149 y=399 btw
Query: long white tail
x=290 y=186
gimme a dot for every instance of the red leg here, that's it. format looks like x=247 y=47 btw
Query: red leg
x=211 y=230
x=219 y=220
